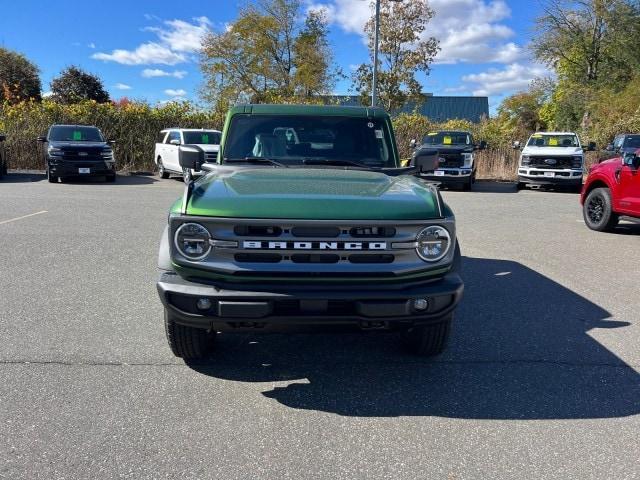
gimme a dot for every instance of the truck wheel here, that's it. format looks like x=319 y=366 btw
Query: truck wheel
x=467 y=185
x=51 y=178
x=597 y=211
x=427 y=340
x=111 y=178
x=161 y=171
x=188 y=342
x=521 y=186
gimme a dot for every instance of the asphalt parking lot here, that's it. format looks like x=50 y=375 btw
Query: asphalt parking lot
x=541 y=378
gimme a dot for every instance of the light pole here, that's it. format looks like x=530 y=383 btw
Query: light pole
x=376 y=41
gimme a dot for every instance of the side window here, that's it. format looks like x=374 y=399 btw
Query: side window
x=617 y=143
x=173 y=135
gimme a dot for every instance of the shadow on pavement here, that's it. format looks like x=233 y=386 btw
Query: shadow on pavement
x=520 y=350
x=23 y=177
x=120 y=180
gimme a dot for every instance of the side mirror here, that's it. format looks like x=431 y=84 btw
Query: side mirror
x=174 y=142
x=413 y=143
x=425 y=159
x=591 y=147
x=482 y=145
x=631 y=160
x=41 y=139
x=190 y=156
x=516 y=145
x=2 y=137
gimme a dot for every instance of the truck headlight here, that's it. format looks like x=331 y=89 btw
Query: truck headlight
x=107 y=153
x=468 y=159
x=55 y=151
x=577 y=162
x=525 y=160
x=433 y=243
x=193 y=241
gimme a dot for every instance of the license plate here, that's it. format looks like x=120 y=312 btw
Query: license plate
x=550 y=174
x=439 y=173
x=84 y=170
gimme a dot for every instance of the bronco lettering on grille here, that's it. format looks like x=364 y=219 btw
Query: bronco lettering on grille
x=266 y=245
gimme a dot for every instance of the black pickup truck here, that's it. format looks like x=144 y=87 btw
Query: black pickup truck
x=77 y=151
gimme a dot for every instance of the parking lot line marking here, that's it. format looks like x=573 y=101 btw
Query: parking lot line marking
x=24 y=216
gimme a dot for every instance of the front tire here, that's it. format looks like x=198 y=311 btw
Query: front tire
x=51 y=178
x=427 y=340
x=187 y=342
x=161 y=171
x=111 y=178
x=598 y=211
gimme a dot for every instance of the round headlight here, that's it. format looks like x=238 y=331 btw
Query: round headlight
x=192 y=241
x=433 y=243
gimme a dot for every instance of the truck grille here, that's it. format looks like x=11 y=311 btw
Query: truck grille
x=450 y=160
x=82 y=154
x=551 y=162
x=310 y=250
x=210 y=157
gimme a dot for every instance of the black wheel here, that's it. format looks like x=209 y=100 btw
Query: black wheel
x=188 y=342
x=186 y=175
x=577 y=188
x=111 y=178
x=3 y=169
x=51 y=178
x=598 y=212
x=521 y=186
x=427 y=340
x=161 y=171
x=467 y=185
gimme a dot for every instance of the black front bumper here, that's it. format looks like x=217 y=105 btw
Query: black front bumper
x=268 y=304
x=71 y=168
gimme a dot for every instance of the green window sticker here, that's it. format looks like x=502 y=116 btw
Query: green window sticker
x=205 y=138
x=77 y=136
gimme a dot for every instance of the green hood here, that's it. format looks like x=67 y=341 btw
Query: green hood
x=314 y=194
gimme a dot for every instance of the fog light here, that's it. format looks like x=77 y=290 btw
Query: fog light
x=203 y=304
x=420 y=304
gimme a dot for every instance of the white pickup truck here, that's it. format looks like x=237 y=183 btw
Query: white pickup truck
x=170 y=139
x=552 y=159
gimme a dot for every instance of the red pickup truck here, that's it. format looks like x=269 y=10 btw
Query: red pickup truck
x=612 y=191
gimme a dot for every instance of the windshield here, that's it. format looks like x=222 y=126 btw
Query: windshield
x=292 y=139
x=202 y=138
x=75 y=134
x=632 y=141
x=447 y=138
x=553 y=141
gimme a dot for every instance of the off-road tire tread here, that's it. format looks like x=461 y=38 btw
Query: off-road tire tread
x=428 y=340
x=188 y=343
x=611 y=218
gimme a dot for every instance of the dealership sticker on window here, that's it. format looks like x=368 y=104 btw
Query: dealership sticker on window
x=205 y=138
x=553 y=142
x=446 y=141
x=77 y=136
x=378 y=133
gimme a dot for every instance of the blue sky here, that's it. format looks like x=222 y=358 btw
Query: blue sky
x=148 y=50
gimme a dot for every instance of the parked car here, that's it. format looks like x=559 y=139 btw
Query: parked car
x=457 y=166
x=347 y=236
x=3 y=156
x=77 y=151
x=612 y=191
x=623 y=143
x=169 y=141
x=552 y=159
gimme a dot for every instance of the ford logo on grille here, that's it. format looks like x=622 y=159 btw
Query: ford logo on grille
x=82 y=154
x=551 y=161
x=442 y=159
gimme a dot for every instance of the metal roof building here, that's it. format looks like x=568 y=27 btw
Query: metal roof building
x=436 y=109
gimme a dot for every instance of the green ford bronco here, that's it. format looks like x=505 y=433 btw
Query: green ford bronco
x=308 y=218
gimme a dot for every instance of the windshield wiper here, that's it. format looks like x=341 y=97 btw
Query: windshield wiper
x=255 y=160
x=337 y=162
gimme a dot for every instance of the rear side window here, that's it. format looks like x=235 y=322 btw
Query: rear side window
x=161 y=137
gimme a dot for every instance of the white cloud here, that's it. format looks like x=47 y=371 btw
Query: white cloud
x=175 y=93
x=91 y=45
x=47 y=94
x=147 y=53
x=503 y=81
x=469 y=31
x=181 y=36
x=122 y=86
x=157 y=72
x=176 y=38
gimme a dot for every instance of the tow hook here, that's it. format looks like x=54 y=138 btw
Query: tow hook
x=374 y=325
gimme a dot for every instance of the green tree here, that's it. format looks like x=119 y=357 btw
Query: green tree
x=19 y=79
x=75 y=85
x=520 y=112
x=404 y=51
x=268 y=54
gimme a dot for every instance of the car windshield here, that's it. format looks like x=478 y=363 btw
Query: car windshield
x=298 y=139
x=202 y=137
x=632 y=141
x=447 y=138
x=539 y=140
x=75 y=134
